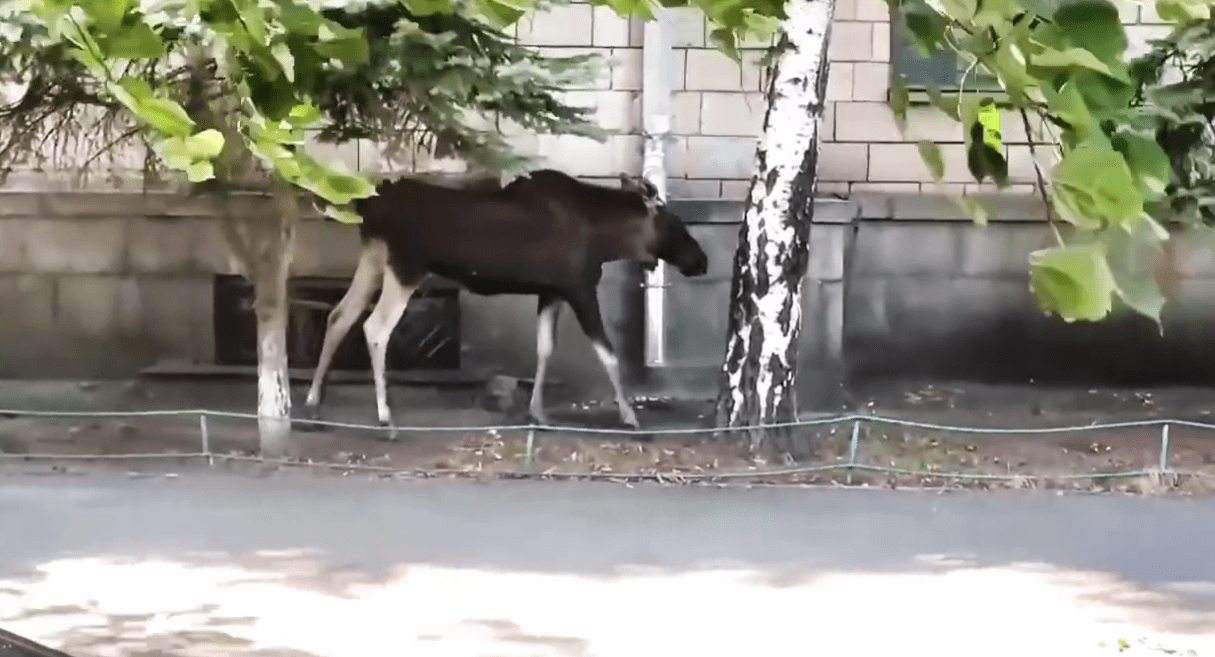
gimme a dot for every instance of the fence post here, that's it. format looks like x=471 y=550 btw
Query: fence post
x=1164 y=448
x=856 y=436
x=531 y=446
x=206 y=438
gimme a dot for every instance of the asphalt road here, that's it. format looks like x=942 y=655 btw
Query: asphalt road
x=209 y=564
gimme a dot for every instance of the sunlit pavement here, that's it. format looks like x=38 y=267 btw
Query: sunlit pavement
x=224 y=565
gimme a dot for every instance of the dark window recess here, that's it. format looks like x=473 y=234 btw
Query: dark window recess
x=941 y=67
x=426 y=338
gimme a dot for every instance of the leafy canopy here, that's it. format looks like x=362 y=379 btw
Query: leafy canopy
x=292 y=65
x=1116 y=157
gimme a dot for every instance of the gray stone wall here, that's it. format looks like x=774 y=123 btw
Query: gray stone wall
x=899 y=287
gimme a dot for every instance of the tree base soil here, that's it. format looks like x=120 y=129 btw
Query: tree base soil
x=886 y=454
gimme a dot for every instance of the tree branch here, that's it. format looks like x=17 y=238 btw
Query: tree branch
x=1041 y=185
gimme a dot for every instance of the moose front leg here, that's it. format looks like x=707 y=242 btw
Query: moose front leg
x=586 y=308
x=546 y=340
x=378 y=329
x=366 y=281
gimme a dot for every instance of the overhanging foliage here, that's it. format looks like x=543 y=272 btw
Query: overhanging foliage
x=440 y=82
x=1126 y=152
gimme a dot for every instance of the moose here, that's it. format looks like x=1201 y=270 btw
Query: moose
x=545 y=233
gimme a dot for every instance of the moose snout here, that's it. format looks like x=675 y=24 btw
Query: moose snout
x=698 y=266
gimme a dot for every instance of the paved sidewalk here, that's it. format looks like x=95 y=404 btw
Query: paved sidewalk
x=292 y=564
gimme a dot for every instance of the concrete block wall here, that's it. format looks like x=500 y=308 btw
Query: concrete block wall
x=958 y=306
x=717 y=105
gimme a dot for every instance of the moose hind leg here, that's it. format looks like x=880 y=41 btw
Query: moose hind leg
x=362 y=286
x=378 y=328
x=586 y=307
x=546 y=340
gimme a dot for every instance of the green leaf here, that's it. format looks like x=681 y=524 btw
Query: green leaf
x=304 y=115
x=1106 y=97
x=1074 y=282
x=1093 y=25
x=347 y=45
x=1043 y=8
x=89 y=61
x=984 y=162
x=899 y=99
x=349 y=184
x=282 y=54
x=274 y=98
x=271 y=150
x=925 y=25
x=723 y=39
x=135 y=42
x=69 y=25
x=253 y=20
x=960 y=9
x=138 y=88
x=982 y=158
x=342 y=215
x=994 y=13
x=1012 y=73
x=175 y=154
x=300 y=19
x=199 y=171
x=1069 y=106
x=499 y=14
x=1148 y=162
x=166 y=116
x=518 y=5
x=1094 y=183
x=947 y=104
x=973 y=209
x=1132 y=255
x=1182 y=11
x=931 y=154
x=426 y=7
x=1051 y=58
x=989 y=117
x=205 y=145
x=107 y=15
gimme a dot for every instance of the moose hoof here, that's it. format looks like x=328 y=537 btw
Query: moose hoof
x=630 y=421
x=308 y=421
x=388 y=433
x=537 y=417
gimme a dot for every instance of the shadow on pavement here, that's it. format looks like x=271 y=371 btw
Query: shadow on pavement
x=303 y=605
x=240 y=567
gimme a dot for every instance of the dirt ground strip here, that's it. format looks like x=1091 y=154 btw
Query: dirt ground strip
x=886 y=454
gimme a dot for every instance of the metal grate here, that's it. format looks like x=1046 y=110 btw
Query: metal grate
x=426 y=338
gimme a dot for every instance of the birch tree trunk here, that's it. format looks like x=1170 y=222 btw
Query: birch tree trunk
x=270 y=273
x=760 y=366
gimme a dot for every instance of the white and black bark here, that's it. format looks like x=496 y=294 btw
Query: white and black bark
x=760 y=367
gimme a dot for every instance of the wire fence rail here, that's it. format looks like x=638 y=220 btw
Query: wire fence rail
x=533 y=430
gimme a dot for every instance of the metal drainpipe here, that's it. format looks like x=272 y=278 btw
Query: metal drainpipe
x=656 y=58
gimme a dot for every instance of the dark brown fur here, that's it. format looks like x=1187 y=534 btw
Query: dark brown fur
x=545 y=233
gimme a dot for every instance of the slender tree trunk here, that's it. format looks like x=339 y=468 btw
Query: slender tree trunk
x=263 y=246
x=760 y=366
x=270 y=274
